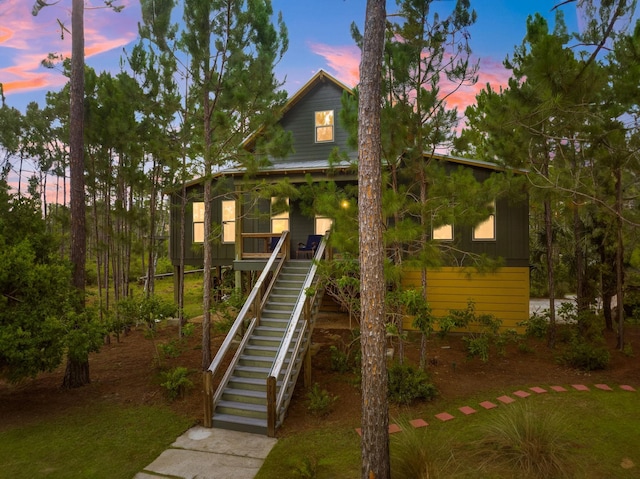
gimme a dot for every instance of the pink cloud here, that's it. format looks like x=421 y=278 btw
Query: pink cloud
x=345 y=63
x=343 y=60
x=26 y=40
x=5 y=34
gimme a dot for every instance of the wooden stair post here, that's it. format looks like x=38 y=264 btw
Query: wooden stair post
x=207 y=381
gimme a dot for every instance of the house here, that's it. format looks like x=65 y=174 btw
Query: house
x=246 y=230
x=258 y=238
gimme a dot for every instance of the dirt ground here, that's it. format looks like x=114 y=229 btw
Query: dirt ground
x=125 y=372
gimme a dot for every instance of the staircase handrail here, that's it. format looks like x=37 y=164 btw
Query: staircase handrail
x=288 y=337
x=235 y=360
x=239 y=321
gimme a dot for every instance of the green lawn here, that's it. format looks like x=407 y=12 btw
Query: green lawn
x=600 y=427
x=101 y=441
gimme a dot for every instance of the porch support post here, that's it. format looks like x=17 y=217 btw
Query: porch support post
x=176 y=283
x=271 y=406
x=238 y=238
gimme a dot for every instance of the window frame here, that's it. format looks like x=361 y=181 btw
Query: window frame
x=197 y=217
x=284 y=216
x=490 y=220
x=330 y=127
x=228 y=225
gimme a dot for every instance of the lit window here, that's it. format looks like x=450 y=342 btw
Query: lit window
x=228 y=221
x=198 y=222
x=486 y=230
x=322 y=224
x=324 y=126
x=443 y=233
x=279 y=215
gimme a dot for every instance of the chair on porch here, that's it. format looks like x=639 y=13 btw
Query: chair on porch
x=308 y=250
x=273 y=243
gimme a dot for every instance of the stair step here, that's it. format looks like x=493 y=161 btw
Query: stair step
x=283 y=298
x=253 y=384
x=240 y=423
x=249 y=396
x=280 y=306
x=273 y=341
x=268 y=313
x=262 y=351
x=255 y=372
x=267 y=330
x=282 y=289
x=236 y=408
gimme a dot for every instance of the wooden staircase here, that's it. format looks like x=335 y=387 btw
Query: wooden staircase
x=243 y=404
x=256 y=389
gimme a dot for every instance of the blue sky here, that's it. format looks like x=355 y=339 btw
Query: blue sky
x=319 y=35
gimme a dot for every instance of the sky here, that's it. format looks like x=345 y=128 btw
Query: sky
x=319 y=38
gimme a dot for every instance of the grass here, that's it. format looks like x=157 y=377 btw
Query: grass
x=599 y=435
x=328 y=452
x=101 y=441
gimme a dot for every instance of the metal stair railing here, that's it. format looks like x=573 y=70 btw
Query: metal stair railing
x=254 y=299
x=305 y=304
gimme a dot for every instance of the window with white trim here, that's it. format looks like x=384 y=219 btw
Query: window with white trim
x=279 y=215
x=324 y=122
x=198 y=222
x=486 y=230
x=228 y=221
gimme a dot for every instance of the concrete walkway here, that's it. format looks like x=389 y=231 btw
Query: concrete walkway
x=202 y=453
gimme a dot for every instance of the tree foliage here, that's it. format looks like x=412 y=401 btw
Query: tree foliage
x=34 y=290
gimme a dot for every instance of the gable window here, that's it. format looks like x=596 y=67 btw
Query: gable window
x=198 y=222
x=228 y=221
x=279 y=218
x=322 y=224
x=443 y=233
x=324 y=126
x=486 y=230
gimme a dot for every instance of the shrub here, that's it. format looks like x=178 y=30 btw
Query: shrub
x=176 y=382
x=339 y=360
x=348 y=356
x=485 y=325
x=320 y=401
x=171 y=349
x=407 y=384
x=529 y=441
x=585 y=356
x=537 y=325
x=477 y=346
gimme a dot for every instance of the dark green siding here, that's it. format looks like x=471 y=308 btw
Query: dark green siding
x=300 y=121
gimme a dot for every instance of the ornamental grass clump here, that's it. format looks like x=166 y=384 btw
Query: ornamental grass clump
x=421 y=453
x=530 y=442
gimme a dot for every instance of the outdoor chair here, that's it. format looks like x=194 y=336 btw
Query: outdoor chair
x=273 y=243
x=308 y=250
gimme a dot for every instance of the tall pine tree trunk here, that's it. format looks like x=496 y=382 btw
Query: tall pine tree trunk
x=77 y=370
x=375 y=407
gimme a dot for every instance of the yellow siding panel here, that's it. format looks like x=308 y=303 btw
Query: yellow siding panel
x=503 y=293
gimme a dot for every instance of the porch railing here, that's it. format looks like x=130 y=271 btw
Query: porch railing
x=267 y=237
